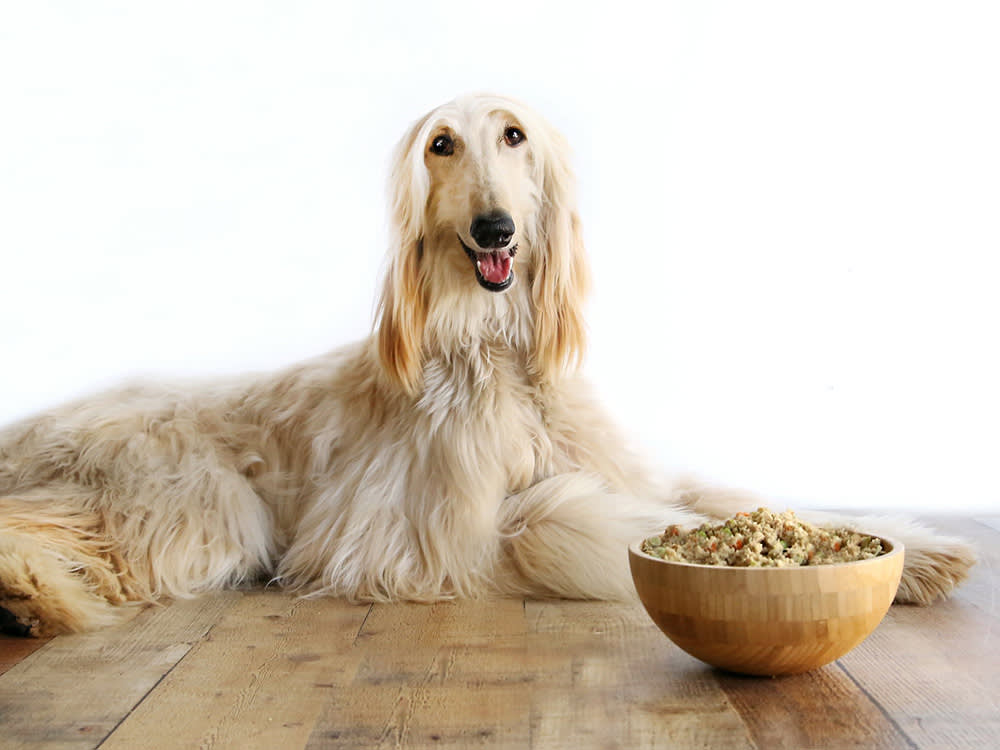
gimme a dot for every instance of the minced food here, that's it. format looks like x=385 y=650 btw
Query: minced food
x=763 y=539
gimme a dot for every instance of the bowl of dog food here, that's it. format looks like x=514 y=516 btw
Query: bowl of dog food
x=764 y=593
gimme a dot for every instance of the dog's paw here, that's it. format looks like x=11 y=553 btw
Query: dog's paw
x=23 y=627
x=933 y=567
x=19 y=602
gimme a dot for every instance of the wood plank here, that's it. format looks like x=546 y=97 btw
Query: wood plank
x=13 y=649
x=980 y=591
x=446 y=674
x=626 y=685
x=74 y=691
x=260 y=678
x=935 y=671
x=819 y=709
x=275 y=671
x=932 y=673
x=540 y=675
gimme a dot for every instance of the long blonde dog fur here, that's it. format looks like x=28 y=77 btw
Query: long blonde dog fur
x=454 y=453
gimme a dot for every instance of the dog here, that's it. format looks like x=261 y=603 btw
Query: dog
x=456 y=452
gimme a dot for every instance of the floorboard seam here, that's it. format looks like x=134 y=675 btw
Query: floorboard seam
x=747 y=731
x=153 y=687
x=888 y=717
x=363 y=622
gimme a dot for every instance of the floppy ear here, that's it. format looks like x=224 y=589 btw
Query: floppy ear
x=402 y=308
x=562 y=275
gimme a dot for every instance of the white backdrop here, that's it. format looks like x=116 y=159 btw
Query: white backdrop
x=792 y=209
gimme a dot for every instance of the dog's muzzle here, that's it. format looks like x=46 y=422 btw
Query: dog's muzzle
x=494 y=262
x=494 y=269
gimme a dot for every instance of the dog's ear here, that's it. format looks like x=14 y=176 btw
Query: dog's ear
x=402 y=308
x=562 y=275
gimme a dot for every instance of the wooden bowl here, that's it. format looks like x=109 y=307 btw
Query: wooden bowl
x=767 y=621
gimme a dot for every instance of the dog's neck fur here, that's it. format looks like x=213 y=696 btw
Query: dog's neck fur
x=478 y=327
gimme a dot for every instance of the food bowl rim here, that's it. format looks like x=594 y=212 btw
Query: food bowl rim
x=896 y=548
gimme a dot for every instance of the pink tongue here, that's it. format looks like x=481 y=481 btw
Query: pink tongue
x=495 y=266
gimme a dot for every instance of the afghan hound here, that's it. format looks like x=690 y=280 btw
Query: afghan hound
x=456 y=452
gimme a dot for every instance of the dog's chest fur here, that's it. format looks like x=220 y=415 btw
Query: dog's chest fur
x=484 y=418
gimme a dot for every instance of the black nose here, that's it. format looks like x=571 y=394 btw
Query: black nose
x=493 y=229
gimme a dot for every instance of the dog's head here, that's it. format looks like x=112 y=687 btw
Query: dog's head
x=483 y=203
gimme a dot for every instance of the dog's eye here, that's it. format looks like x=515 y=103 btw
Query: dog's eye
x=513 y=136
x=443 y=145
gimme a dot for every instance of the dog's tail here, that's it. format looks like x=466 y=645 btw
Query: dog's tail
x=934 y=564
x=58 y=573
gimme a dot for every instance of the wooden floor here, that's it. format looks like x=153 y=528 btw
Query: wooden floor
x=261 y=669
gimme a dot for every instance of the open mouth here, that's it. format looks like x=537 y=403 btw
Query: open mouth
x=494 y=268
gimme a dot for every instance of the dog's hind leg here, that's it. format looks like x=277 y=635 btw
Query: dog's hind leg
x=58 y=571
x=567 y=536
x=152 y=500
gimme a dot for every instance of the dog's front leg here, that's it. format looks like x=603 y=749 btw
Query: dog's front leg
x=567 y=536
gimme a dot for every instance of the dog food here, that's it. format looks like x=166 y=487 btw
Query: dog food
x=763 y=539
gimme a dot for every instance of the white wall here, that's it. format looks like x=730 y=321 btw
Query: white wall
x=793 y=211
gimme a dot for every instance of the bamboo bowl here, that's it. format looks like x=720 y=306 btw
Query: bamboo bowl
x=767 y=621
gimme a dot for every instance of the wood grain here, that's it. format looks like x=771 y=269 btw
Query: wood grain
x=259 y=679
x=820 y=709
x=262 y=669
x=14 y=649
x=935 y=671
x=538 y=674
x=623 y=685
x=73 y=693
x=433 y=676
